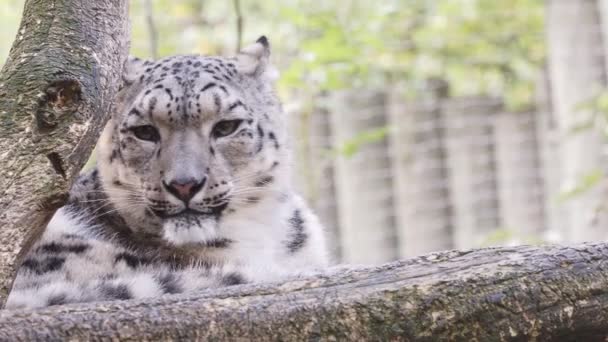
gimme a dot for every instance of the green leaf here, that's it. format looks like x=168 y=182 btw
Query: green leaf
x=350 y=147
x=586 y=183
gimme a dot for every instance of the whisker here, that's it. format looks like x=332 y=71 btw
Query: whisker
x=253 y=190
x=115 y=210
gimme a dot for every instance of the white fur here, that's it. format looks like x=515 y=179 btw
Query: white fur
x=271 y=232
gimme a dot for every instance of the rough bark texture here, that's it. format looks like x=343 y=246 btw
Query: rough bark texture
x=503 y=294
x=56 y=90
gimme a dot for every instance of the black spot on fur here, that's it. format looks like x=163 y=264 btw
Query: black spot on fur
x=121 y=292
x=234 y=105
x=264 y=181
x=152 y=104
x=55 y=247
x=253 y=200
x=49 y=264
x=260 y=145
x=233 y=279
x=71 y=236
x=115 y=154
x=168 y=91
x=169 y=284
x=298 y=235
x=131 y=260
x=218 y=243
x=208 y=86
x=135 y=112
x=273 y=138
x=57 y=300
x=264 y=41
x=218 y=102
x=212 y=150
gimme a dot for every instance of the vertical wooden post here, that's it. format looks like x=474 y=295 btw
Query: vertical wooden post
x=314 y=174
x=363 y=181
x=422 y=203
x=550 y=161
x=520 y=192
x=468 y=124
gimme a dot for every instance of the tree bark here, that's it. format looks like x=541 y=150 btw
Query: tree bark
x=523 y=293
x=56 y=92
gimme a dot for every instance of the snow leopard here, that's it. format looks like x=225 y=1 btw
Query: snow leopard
x=191 y=190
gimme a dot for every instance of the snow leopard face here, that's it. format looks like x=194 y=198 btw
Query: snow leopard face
x=193 y=139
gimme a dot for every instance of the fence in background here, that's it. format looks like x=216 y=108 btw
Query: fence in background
x=449 y=173
x=464 y=172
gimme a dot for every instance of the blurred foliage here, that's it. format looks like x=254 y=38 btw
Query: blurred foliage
x=597 y=113
x=510 y=237
x=586 y=182
x=594 y=116
x=10 y=16
x=479 y=46
x=351 y=146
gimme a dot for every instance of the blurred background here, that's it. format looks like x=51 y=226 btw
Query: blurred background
x=422 y=125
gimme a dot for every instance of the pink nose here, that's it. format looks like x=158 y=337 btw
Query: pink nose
x=184 y=190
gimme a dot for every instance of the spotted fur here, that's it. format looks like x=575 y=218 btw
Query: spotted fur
x=191 y=190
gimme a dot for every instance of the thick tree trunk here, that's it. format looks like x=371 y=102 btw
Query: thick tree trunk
x=502 y=294
x=56 y=92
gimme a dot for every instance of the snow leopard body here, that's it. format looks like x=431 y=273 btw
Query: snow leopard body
x=191 y=191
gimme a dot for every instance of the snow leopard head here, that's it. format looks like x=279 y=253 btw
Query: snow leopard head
x=193 y=137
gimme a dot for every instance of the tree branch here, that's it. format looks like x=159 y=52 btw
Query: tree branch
x=239 y=24
x=56 y=91
x=521 y=293
x=152 y=31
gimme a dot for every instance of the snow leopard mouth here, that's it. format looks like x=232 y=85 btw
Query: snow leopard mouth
x=214 y=211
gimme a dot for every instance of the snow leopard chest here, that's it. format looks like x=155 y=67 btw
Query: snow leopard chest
x=88 y=254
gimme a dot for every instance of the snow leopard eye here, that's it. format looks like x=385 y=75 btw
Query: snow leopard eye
x=225 y=128
x=146 y=132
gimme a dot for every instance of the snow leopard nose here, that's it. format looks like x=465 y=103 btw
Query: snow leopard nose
x=185 y=190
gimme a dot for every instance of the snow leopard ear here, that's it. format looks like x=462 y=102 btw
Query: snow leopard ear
x=134 y=69
x=253 y=59
x=132 y=81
